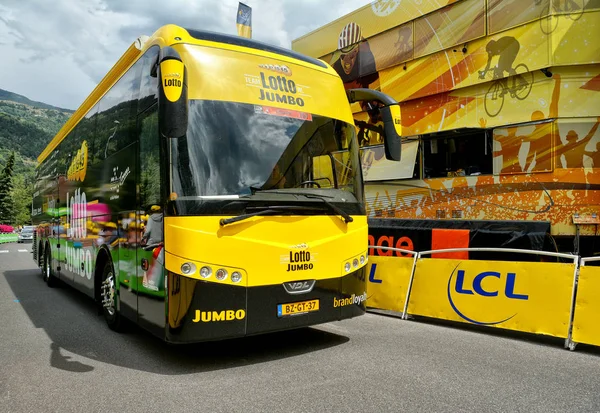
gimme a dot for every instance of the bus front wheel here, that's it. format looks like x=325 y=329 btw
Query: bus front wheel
x=109 y=299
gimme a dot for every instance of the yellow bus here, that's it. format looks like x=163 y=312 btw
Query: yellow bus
x=500 y=108
x=210 y=187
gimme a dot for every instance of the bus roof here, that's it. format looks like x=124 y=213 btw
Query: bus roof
x=169 y=35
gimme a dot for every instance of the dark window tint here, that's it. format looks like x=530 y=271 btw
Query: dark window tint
x=149 y=158
x=116 y=120
x=149 y=84
x=458 y=154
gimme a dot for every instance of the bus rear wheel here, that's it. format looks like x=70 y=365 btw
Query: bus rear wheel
x=49 y=277
x=109 y=299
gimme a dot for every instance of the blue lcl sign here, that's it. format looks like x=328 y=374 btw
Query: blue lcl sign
x=458 y=285
x=509 y=289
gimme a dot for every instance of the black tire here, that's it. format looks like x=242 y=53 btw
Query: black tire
x=109 y=299
x=48 y=273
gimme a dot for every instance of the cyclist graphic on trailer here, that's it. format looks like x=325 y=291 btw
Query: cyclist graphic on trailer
x=356 y=63
x=506 y=48
x=356 y=66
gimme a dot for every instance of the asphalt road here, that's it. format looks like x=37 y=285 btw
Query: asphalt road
x=57 y=355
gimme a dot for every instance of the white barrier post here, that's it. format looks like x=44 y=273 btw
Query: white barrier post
x=569 y=343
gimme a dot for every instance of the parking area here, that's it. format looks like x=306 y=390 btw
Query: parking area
x=56 y=354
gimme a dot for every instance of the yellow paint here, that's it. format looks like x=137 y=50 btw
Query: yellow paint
x=230 y=75
x=388 y=284
x=261 y=250
x=587 y=307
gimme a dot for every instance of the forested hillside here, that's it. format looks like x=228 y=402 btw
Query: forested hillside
x=26 y=127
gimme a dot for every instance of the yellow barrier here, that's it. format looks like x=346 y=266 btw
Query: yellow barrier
x=389 y=282
x=587 y=307
x=533 y=297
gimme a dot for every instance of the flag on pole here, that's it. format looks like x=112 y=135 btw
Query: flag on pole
x=244 y=20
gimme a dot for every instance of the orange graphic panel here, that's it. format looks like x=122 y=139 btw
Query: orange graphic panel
x=450 y=238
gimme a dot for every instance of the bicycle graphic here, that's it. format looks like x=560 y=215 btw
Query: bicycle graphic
x=553 y=9
x=522 y=83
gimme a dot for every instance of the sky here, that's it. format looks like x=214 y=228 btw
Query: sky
x=56 y=51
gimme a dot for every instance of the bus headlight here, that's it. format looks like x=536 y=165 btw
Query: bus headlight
x=355 y=263
x=188 y=268
x=205 y=272
x=362 y=259
x=236 y=276
x=221 y=274
x=347 y=267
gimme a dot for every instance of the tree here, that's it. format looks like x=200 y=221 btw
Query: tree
x=6 y=201
x=22 y=195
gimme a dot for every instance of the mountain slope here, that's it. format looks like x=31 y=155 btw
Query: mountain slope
x=14 y=97
x=26 y=127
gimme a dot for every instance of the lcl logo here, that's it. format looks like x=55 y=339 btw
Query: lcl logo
x=456 y=285
x=299 y=287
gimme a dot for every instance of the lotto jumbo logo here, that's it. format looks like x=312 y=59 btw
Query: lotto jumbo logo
x=215 y=316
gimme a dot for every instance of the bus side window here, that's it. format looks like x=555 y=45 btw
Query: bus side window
x=149 y=84
x=149 y=141
x=115 y=124
x=322 y=172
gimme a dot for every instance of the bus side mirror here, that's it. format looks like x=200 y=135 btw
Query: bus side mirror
x=172 y=94
x=392 y=131
x=390 y=114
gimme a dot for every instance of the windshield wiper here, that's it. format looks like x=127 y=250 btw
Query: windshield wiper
x=266 y=211
x=225 y=221
x=346 y=217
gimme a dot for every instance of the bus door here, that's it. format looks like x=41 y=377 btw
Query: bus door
x=150 y=252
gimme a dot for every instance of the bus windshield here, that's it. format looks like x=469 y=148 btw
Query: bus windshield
x=237 y=148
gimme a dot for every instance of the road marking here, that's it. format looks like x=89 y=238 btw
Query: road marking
x=22 y=250
x=3 y=251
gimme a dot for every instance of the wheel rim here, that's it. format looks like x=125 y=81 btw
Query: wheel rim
x=108 y=294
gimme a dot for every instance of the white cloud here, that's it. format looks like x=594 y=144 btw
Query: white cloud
x=56 y=51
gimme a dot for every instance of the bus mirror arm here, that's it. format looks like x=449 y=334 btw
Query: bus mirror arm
x=390 y=114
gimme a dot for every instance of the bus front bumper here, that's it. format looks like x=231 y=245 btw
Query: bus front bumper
x=202 y=311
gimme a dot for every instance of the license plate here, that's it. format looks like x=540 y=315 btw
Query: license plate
x=301 y=307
